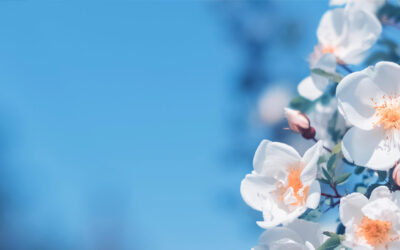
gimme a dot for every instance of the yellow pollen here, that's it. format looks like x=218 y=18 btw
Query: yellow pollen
x=328 y=49
x=388 y=113
x=294 y=182
x=375 y=232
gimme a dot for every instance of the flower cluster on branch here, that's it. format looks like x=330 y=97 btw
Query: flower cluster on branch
x=354 y=119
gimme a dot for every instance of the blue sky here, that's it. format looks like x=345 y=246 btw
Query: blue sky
x=113 y=125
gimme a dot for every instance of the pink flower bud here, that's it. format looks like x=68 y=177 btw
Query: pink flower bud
x=297 y=120
x=299 y=123
x=396 y=174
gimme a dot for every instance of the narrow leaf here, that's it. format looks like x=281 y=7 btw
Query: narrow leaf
x=343 y=178
x=330 y=244
x=335 y=77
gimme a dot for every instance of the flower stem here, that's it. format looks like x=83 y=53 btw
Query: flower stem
x=331 y=196
x=327 y=149
x=344 y=66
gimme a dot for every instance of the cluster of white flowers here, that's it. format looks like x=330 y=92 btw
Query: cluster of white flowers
x=365 y=133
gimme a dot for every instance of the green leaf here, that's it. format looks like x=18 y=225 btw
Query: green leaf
x=301 y=103
x=330 y=244
x=343 y=178
x=326 y=175
x=321 y=159
x=381 y=175
x=331 y=165
x=331 y=234
x=323 y=180
x=337 y=148
x=311 y=215
x=335 y=77
x=361 y=189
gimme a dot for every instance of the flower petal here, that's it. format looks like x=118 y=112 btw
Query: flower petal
x=331 y=27
x=272 y=157
x=307 y=230
x=275 y=216
x=255 y=190
x=382 y=209
x=380 y=192
x=369 y=149
x=350 y=208
x=362 y=31
x=386 y=76
x=308 y=89
x=314 y=195
x=310 y=158
x=354 y=95
x=279 y=233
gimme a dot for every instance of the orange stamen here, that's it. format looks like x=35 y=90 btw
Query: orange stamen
x=388 y=112
x=375 y=232
x=294 y=182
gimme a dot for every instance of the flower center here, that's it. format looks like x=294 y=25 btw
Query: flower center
x=388 y=112
x=294 y=182
x=375 y=232
x=328 y=49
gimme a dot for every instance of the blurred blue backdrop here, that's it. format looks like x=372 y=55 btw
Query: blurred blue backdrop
x=121 y=121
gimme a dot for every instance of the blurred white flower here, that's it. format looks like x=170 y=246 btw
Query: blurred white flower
x=374 y=223
x=348 y=34
x=370 y=101
x=312 y=87
x=367 y=5
x=299 y=235
x=272 y=103
x=283 y=184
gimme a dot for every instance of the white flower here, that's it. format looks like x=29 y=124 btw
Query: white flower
x=367 y=5
x=374 y=223
x=348 y=34
x=344 y=35
x=370 y=101
x=283 y=184
x=313 y=87
x=298 y=235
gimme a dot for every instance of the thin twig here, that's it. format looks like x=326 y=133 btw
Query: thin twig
x=327 y=149
x=344 y=66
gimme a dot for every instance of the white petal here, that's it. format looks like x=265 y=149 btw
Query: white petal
x=308 y=89
x=382 y=209
x=310 y=160
x=380 y=192
x=386 y=76
x=350 y=208
x=369 y=149
x=394 y=245
x=308 y=231
x=275 y=216
x=331 y=27
x=354 y=95
x=278 y=233
x=255 y=190
x=272 y=158
x=314 y=195
x=362 y=31
x=287 y=244
x=327 y=63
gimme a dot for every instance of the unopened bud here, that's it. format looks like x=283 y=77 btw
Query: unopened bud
x=299 y=123
x=396 y=174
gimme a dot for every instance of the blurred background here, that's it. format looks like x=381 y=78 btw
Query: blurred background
x=130 y=124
